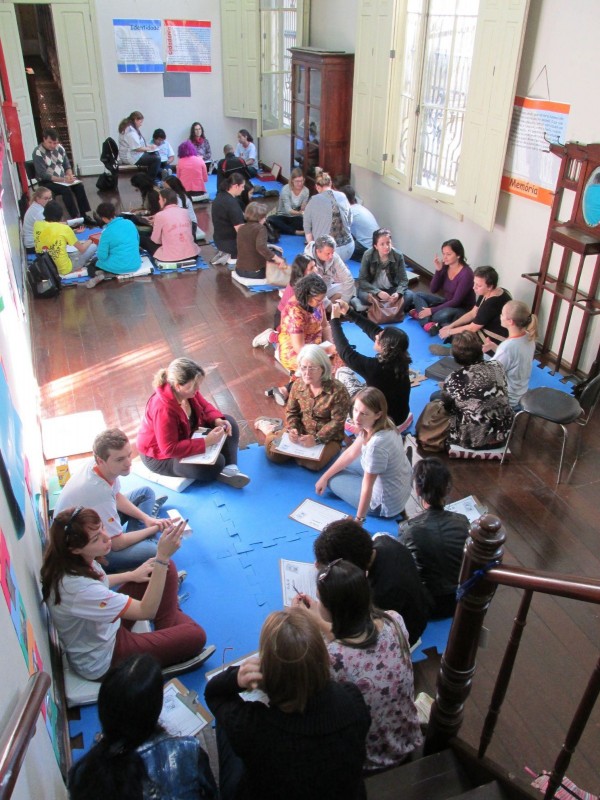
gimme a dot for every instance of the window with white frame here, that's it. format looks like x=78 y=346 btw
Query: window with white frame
x=433 y=94
x=282 y=25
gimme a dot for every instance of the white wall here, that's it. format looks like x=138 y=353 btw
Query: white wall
x=515 y=245
x=127 y=93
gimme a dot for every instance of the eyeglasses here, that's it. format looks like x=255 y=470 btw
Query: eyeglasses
x=328 y=569
x=72 y=518
x=309 y=368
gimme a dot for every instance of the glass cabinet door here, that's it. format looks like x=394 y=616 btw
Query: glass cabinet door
x=300 y=83
x=314 y=95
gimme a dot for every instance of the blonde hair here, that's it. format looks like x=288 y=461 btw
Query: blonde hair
x=519 y=314
x=324 y=179
x=374 y=399
x=180 y=371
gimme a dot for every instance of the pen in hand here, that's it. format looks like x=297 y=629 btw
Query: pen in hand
x=300 y=594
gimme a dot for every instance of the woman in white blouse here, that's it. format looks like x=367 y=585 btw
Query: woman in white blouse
x=133 y=148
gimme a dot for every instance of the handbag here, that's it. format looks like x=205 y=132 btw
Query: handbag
x=278 y=276
x=42 y=276
x=432 y=427
x=383 y=311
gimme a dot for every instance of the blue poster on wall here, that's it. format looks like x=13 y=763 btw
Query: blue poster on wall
x=12 y=465
x=138 y=43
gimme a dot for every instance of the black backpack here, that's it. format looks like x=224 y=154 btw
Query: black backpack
x=110 y=158
x=42 y=276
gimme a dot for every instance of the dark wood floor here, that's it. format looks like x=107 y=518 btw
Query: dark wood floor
x=98 y=349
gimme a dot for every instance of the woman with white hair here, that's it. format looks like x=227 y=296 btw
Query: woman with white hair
x=329 y=265
x=316 y=411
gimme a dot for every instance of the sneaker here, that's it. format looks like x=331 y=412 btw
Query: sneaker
x=432 y=328
x=181 y=576
x=94 y=281
x=440 y=349
x=231 y=262
x=277 y=395
x=262 y=339
x=220 y=259
x=191 y=663
x=158 y=504
x=232 y=476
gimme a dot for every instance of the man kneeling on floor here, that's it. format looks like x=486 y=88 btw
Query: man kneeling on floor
x=130 y=520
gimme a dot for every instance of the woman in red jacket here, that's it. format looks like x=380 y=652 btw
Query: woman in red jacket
x=170 y=433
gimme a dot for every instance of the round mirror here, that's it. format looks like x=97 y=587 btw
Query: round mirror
x=591 y=199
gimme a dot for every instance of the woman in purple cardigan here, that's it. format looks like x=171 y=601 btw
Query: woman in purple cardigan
x=451 y=292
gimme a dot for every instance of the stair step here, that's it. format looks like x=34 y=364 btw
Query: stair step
x=487 y=791
x=435 y=777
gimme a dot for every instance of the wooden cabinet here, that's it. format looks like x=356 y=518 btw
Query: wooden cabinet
x=321 y=111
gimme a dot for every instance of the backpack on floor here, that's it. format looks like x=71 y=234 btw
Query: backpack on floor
x=42 y=276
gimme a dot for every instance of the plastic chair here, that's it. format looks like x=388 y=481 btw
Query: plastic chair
x=561 y=409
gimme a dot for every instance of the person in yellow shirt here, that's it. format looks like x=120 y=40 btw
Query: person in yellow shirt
x=53 y=235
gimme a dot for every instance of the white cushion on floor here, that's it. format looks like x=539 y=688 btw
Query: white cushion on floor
x=175 y=484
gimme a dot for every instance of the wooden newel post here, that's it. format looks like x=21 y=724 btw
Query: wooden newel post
x=483 y=546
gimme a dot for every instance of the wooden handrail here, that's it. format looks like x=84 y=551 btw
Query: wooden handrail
x=19 y=732
x=556 y=583
x=482 y=571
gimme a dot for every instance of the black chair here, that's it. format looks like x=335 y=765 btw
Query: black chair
x=30 y=170
x=561 y=409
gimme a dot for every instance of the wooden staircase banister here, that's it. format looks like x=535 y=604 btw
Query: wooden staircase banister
x=570 y=586
x=19 y=732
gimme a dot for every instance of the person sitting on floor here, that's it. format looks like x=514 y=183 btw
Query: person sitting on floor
x=227 y=217
x=183 y=201
x=171 y=238
x=476 y=397
x=53 y=170
x=149 y=192
x=94 y=621
x=35 y=213
x=327 y=213
x=382 y=271
x=373 y=473
x=230 y=164
x=515 y=353
x=53 y=235
x=450 y=293
x=119 y=246
x=436 y=538
x=485 y=314
x=201 y=143
x=362 y=224
x=388 y=370
x=368 y=647
x=308 y=741
x=191 y=169
x=289 y=217
x=128 y=519
x=389 y=566
x=246 y=150
x=303 y=321
x=173 y=413
x=329 y=265
x=134 y=752
x=316 y=410
x=253 y=249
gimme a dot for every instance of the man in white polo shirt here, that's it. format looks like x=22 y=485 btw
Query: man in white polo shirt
x=127 y=519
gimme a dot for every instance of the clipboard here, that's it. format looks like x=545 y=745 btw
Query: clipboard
x=182 y=714
x=316 y=515
x=288 y=448
x=211 y=453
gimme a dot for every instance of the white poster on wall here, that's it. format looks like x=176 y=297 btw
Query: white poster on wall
x=138 y=43
x=188 y=45
x=530 y=170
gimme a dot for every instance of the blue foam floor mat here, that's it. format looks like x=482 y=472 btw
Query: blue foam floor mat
x=232 y=559
x=211 y=185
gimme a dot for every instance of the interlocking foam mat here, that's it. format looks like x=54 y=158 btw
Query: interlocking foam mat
x=232 y=559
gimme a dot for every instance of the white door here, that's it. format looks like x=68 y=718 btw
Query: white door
x=13 y=55
x=80 y=77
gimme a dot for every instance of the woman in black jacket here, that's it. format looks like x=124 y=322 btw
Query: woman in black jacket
x=387 y=370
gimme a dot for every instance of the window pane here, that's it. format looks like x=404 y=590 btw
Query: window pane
x=409 y=91
x=446 y=71
x=278 y=34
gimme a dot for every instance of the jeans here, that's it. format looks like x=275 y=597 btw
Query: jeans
x=287 y=225
x=134 y=555
x=421 y=300
x=70 y=194
x=347 y=485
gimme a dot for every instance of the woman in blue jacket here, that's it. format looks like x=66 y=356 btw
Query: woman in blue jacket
x=119 y=246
